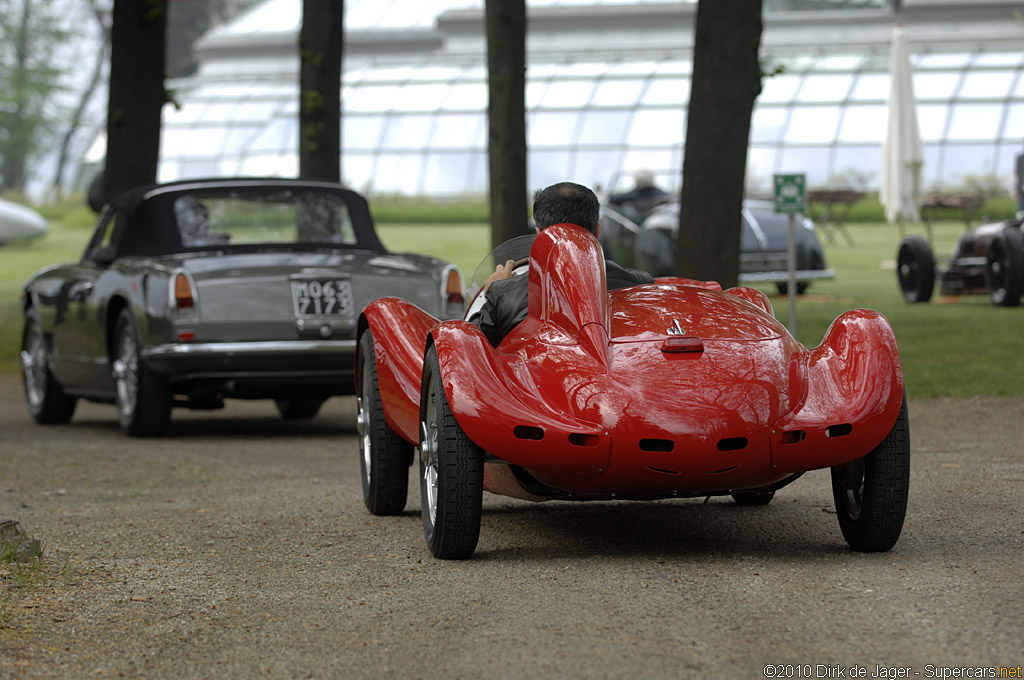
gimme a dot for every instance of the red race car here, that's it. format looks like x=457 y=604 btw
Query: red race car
x=676 y=389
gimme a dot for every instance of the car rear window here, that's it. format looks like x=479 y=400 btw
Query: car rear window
x=286 y=217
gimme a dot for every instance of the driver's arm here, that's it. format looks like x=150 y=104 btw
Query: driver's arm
x=502 y=271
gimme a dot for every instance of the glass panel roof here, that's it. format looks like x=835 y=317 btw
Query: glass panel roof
x=618 y=92
x=987 y=84
x=971 y=122
x=825 y=88
x=418 y=123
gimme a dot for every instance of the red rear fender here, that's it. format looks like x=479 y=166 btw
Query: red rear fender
x=400 y=331
x=497 y=405
x=854 y=393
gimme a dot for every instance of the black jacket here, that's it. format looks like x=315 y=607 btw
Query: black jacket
x=508 y=300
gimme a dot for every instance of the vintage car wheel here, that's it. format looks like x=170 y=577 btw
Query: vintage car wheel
x=384 y=457
x=46 y=399
x=1004 y=268
x=451 y=473
x=871 y=492
x=755 y=498
x=143 y=397
x=299 y=408
x=915 y=268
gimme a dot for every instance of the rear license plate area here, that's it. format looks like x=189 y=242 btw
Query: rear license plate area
x=322 y=298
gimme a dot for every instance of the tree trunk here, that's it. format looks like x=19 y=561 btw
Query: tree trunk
x=506 y=117
x=19 y=122
x=137 y=94
x=726 y=81
x=321 y=45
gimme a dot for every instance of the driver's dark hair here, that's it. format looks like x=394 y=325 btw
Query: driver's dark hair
x=566 y=202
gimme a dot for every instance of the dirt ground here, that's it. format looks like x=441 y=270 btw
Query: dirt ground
x=238 y=547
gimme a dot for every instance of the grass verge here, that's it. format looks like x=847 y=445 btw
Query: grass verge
x=950 y=347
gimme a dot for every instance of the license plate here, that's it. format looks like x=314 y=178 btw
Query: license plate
x=322 y=297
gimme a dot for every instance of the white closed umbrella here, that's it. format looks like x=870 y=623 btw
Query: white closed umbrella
x=902 y=156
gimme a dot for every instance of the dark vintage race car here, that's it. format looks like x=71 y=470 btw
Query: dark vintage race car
x=646 y=239
x=987 y=259
x=674 y=389
x=195 y=291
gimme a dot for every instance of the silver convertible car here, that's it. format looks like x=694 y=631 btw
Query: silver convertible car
x=196 y=291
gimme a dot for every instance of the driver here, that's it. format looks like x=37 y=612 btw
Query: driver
x=507 y=298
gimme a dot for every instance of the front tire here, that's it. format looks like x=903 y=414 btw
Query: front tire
x=1004 y=268
x=915 y=269
x=384 y=457
x=871 y=492
x=143 y=397
x=47 y=402
x=451 y=473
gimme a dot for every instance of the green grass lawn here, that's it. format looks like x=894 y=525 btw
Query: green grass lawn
x=954 y=347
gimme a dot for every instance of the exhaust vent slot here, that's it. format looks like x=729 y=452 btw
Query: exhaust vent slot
x=657 y=445
x=660 y=470
x=732 y=444
x=793 y=437
x=528 y=432
x=579 y=439
x=724 y=470
x=838 y=430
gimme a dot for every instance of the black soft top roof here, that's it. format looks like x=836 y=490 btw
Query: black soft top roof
x=148 y=224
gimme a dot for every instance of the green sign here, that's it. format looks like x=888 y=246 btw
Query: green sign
x=790 y=193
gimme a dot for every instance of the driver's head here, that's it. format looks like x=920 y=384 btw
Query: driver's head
x=566 y=202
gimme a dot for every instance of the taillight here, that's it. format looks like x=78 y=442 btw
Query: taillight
x=184 y=298
x=453 y=292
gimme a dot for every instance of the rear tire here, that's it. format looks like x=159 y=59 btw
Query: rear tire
x=915 y=269
x=47 y=402
x=384 y=457
x=143 y=397
x=451 y=473
x=871 y=492
x=299 y=408
x=1004 y=268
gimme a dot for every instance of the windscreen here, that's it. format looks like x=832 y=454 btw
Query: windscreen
x=210 y=219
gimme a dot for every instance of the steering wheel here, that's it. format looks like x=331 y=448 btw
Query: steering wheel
x=519 y=268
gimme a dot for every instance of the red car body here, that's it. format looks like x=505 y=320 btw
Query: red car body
x=653 y=391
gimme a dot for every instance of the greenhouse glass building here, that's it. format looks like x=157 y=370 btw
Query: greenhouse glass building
x=607 y=91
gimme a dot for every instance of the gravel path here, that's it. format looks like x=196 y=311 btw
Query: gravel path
x=238 y=547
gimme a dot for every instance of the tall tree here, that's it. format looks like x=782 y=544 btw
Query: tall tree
x=506 y=117
x=29 y=32
x=137 y=94
x=321 y=46
x=726 y=81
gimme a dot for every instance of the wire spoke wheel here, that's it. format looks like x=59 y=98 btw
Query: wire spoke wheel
x=871 y=492
x=144 y=398
x=451 y=472
x=46 y=400
x=1004 y=268
x=384 y=456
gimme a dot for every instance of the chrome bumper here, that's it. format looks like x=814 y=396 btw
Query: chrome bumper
x=269 y=357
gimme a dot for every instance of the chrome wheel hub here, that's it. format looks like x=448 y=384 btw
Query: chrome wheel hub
x=126 y=375
x=365 y=444
x=33 y=367
x=428 y=459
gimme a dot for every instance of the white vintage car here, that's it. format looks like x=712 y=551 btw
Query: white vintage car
x=19 y=223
